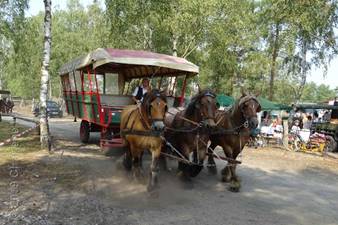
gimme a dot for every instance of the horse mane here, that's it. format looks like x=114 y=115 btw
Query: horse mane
x=194 y=100
x=150 y=96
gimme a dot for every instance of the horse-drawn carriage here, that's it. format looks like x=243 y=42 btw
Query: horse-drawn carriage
x=97 y=88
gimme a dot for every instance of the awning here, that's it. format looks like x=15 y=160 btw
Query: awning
x=225 y=100
x=269 y=105
x=131 y=63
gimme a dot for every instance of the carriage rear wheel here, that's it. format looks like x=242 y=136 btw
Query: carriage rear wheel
x=84 y=131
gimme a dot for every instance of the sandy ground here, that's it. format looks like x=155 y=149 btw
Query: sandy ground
x=78 y=185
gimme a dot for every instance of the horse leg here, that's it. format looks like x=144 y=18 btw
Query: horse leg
x=136 y=163
x=154 y=169
x=212 y=169
x=163 y=163
x=235 y=183
x=183 y=170
x=127 y=160
x=226 y=171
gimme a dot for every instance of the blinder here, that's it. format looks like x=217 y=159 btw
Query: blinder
x=242 y=102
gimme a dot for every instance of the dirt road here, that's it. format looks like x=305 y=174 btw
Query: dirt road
x=77 y=185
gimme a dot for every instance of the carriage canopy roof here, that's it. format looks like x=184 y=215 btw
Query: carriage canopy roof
x=131 y=63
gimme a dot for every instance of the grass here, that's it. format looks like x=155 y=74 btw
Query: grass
x=37 y=165
x=8 y=129
x=19 y=148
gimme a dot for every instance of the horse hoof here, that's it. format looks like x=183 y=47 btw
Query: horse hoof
x=234 y=187
x=139 y=177
x=212 y=169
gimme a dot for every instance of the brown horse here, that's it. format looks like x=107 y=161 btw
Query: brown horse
x=9 y=106
x=3 y=106
x=187 y=131
x=236 y=125
x=141 y=127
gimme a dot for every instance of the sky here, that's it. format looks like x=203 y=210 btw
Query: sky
x=316 y=75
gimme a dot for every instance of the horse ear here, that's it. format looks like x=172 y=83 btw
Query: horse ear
x=257 y=93
x=243 y=92
x=198 y=88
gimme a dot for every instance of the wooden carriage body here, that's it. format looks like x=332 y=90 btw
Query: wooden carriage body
x=97 y=86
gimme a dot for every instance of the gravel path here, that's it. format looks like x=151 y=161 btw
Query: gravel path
x=278 y=187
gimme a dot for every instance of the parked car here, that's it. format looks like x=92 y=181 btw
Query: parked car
x=53 y=110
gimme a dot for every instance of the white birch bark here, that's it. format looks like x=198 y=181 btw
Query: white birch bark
x=44 y=129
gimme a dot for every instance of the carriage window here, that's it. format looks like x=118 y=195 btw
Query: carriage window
x=78 y=80
x=100 y=80
x=71 y=82
x=112 y=85
x=65 y=82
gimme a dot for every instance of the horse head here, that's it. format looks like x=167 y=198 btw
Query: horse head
x=204 y=107
x=155 y=106
x=249 y=107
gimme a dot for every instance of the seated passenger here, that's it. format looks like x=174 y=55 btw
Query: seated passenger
x=141 y=90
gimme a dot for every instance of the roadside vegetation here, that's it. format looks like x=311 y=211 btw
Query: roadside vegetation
x=268 y=46
x=7 y=129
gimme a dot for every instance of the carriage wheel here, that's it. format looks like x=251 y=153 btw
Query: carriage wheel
x=84 y=131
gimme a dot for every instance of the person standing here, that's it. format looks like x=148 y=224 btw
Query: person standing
x=141 y=90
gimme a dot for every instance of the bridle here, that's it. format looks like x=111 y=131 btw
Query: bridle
x=150 y=119
x=240 y=105
x=207 y=117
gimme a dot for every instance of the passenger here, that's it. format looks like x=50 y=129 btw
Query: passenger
x=295 y=128
x=308 y=123
x=141 y=90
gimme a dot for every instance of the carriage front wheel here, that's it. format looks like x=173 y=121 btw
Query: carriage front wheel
x=84 y=131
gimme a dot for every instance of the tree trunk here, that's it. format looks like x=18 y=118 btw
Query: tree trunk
x=172 y=80
x=304 y=71
x=44 y=129
x=275 y=49
x=285 y=133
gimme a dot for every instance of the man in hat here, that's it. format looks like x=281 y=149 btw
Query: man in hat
x=141 y=90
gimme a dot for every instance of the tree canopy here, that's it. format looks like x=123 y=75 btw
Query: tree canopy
x=267 y=46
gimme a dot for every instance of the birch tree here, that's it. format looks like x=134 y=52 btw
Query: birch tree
x=44 y=129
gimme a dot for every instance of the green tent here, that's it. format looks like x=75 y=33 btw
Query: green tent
x=225 y=100
x=269 y=105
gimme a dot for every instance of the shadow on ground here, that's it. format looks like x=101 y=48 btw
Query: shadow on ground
x=77 y=185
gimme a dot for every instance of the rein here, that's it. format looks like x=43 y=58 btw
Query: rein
x=185 y=119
